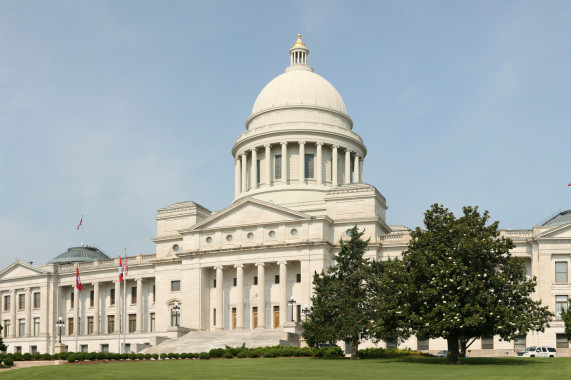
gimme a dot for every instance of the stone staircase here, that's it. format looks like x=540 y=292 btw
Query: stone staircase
x=204 y=341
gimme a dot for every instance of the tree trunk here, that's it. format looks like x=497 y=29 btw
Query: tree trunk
x=354 y=354
x=452 y=357
x=463 y=348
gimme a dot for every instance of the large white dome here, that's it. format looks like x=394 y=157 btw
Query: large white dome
x=299 y=86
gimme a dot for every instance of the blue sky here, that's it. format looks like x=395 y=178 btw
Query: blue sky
x=114 y=109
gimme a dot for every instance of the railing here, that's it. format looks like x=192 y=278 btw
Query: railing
x=106 y=263
x=518 y=233
x=392 y=237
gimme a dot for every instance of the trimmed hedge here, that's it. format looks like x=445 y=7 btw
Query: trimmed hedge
x=381 y=353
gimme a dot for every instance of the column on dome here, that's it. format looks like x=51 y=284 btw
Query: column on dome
x=244 y=167
x=139 y=320
x=283 y=292
x=301 y=161
x=356 y=175
x=28 y=312
x=237 y=177
x=219 y=298
x=347 y=178
x=284 y=162
x=117 y=303
x=361 y=162
x=268 y=164
x=318 y=172
x=261 y=296
x=254 y=170
x=13 y=313
x=239 y=297
x=96 y=301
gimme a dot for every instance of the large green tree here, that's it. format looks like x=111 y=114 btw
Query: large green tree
x=458 y=281
x=341 y=307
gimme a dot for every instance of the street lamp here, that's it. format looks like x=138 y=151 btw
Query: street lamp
x=292 y=303
x=305 y=311
x=59 y=325
x=176 y=310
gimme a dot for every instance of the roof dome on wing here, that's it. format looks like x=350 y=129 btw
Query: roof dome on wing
x=80 y=255
x=299 y=86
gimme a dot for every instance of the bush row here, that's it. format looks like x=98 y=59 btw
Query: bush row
x=380 y=353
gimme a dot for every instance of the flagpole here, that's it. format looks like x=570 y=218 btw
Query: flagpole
x=78 y=312
x=125 y=302
x=118 y=300
x=82 y=240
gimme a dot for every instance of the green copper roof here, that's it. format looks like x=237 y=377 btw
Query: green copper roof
x=79 y=254
x=563 y=217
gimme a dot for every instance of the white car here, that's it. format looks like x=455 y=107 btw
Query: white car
x=538 y=351
x=442 y=354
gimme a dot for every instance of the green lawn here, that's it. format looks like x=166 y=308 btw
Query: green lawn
x=307 y=368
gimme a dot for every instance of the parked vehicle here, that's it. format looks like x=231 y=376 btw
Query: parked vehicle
x=538 y=351
x=442 y=354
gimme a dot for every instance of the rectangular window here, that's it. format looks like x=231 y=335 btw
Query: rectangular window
x=71 y=300
x=152 y=322
x=278 y=166
x=309 y=166
x=91 y=298
x=6 y=328
x=6 y=303
x=70 y=326
x=105 y=348
x=487 y=342
x=298 y=313
x=422 y=344
x=258 y=172
x=21 y=301
x=519 y=343
x=36 y=300
x=19 y=349
x=132 y=322
x=391 y=344
x=561 y=271
x=234 y=281
x=90 y=325
x=36 y=326
x=255 y=280
x=298 y=277
x=133 y=295
x=561 y=341
x=33 y=350
x=154 y=293
x=277 y=279
x=84 y=348
x=214 y=316
x=21 y=327
x=128 y=348
x=214 y=283
x=175 y=286
x=112 y=297
x=110 y=324
x=560 y=305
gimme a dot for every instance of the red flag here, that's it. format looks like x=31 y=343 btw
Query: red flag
x=80 y=222
x=126 y=268
x=120 y=271
x=569 y=184
x=77 y=279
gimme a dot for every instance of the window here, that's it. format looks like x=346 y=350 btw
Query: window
x=71 y=300
x=154 y=293
x=128 y=348
x=487 y=342
x=298 y=277
x=90 y=325
x=110 y=324
x=112 y=297
x=561 y=341
x=228 y=237
x=234 y=281
x=422 y=344
x=277 y=279
x=36 y=326
x=519 y=343
x=309 y=166
x=70 y=326
x=560 y=305
x=209 y=240
x=33 y=350
x=293 y=232
x=258 y=172
x=278 y=166
x=255 y=280
x=272 y=234
x=21 y=327
x=133 y=295
x=561 y=271
x=298 y=313
x=36 y=300
x=152 y=322
x=250 y=235
x=6 y=303
x=214 y=316
x=175 y=317
x=391 y=344
x=18 y=349
x=6 y=328
x=84 y=348
x=91 y=298
x=132 y=322
x=175 y=286
x=21 y=301
x=105 y=348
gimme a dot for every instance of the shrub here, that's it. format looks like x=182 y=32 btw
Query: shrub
x=92 y=356
x=81 y=356
x=125 y=356
x=46 y=357
x=18 y=357
x=184 y=355
x=37 y=356
x=170 y=355
x=100 y=355
x=147 y=356
x=163 y=356
x=204 y=355
x=252 y=353
x=71 y=358
x=216 y=352
x=140 y=356
x=271 y=353
x=227 y=355
x=8 y=361
x=132 y=356
x=155 y=356
x=27 y=356
x=242 y=354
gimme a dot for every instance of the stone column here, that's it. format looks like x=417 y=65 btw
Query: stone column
x=117 y=305
x=261 y=296
x=254 y=172
x=301 y=161
x=361 y=162
x=356 y=165
x=334 y=180
x=347 y=179
x=139 y=321
x=244 y=167
x=318 y=172
x=237 y=177
x=284 y=163
x=219 y=298
x=75 y=311
x=13 y=313
x=239 y=297
x=96 y=321
x=28 y=312
x=268 y=165
x=283 y=292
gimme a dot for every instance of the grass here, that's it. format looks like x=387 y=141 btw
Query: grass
x=307 y=368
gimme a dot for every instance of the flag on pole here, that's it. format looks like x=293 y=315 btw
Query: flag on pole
x=120 y=271
x=569 y=184
x=77 y=279
x=80 y=222
x=126 y=268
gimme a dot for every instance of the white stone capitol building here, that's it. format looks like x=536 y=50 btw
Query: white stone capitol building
x=299 y=188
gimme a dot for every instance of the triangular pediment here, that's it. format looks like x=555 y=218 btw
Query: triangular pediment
x=559 y=232
x=19 y=269
x=247 y=212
